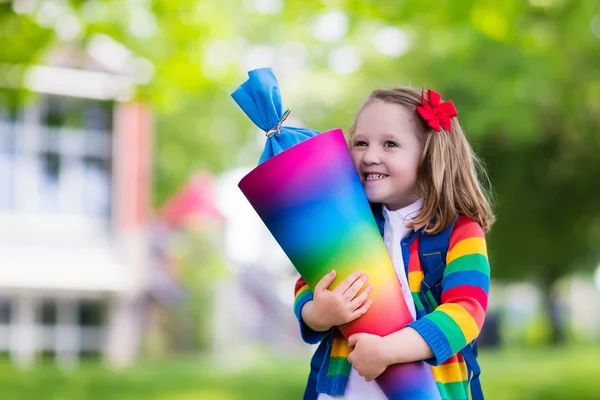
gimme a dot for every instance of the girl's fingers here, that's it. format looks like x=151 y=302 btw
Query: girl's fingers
x=360 y=299
x=361 y=310
x=346 y=283
x=325 y=281
x=355 y=287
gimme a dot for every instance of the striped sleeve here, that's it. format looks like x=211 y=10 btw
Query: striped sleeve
x=465 y=287
x=302 y=295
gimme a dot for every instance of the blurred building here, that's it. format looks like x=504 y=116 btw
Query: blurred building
x=74 y=211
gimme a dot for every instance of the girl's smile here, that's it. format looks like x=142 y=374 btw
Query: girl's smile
x=374 y=177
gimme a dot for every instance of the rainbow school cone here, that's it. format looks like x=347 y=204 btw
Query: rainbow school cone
x=311 y=199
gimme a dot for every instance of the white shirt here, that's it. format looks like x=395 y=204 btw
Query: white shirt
x=394 y=231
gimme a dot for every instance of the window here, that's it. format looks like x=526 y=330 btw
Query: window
x=91 y=313
x=5 y=311
x=7 y=155
x=7 y=169
x=50 y=164
x=58 y=158
x=92 y=320
x=73 y=326
x=5 y=320
x=96 y=191
x=48 y=313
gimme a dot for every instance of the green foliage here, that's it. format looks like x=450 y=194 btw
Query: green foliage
x=23 y=40
x=547 y=209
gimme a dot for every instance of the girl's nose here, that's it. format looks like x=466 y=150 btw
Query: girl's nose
x=371 y=156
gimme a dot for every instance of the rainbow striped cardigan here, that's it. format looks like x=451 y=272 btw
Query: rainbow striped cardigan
x=447 y=330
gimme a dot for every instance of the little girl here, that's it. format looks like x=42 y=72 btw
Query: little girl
x=420 y=175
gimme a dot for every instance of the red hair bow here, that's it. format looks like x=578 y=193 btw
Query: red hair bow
x=435 y=113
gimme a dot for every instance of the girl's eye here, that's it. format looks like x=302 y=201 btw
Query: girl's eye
x=390 y=144
x=360 y=143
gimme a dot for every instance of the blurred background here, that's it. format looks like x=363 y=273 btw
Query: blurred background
x=131 y=267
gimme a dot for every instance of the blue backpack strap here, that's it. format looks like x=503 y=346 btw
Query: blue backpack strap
x=432 y=254
x=470 y=355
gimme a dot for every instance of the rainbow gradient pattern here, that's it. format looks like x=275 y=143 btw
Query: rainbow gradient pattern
x=311 y=199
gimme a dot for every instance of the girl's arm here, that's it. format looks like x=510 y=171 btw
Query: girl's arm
x=302 y=295
x=458 y=320
x=406 y=346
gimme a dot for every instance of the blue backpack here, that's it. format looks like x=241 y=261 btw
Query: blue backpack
x=432 y=254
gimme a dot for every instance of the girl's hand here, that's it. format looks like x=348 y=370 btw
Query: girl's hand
x=338 y=306
x=369 y=356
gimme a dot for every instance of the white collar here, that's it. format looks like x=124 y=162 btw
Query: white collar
x=404 y=214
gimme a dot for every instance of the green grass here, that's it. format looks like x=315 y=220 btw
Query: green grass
x=564 y=373
x=542 y=373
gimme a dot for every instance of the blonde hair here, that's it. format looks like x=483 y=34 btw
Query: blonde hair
x=449 y=172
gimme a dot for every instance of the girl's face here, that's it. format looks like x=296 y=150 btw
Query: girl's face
x=386 y=153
